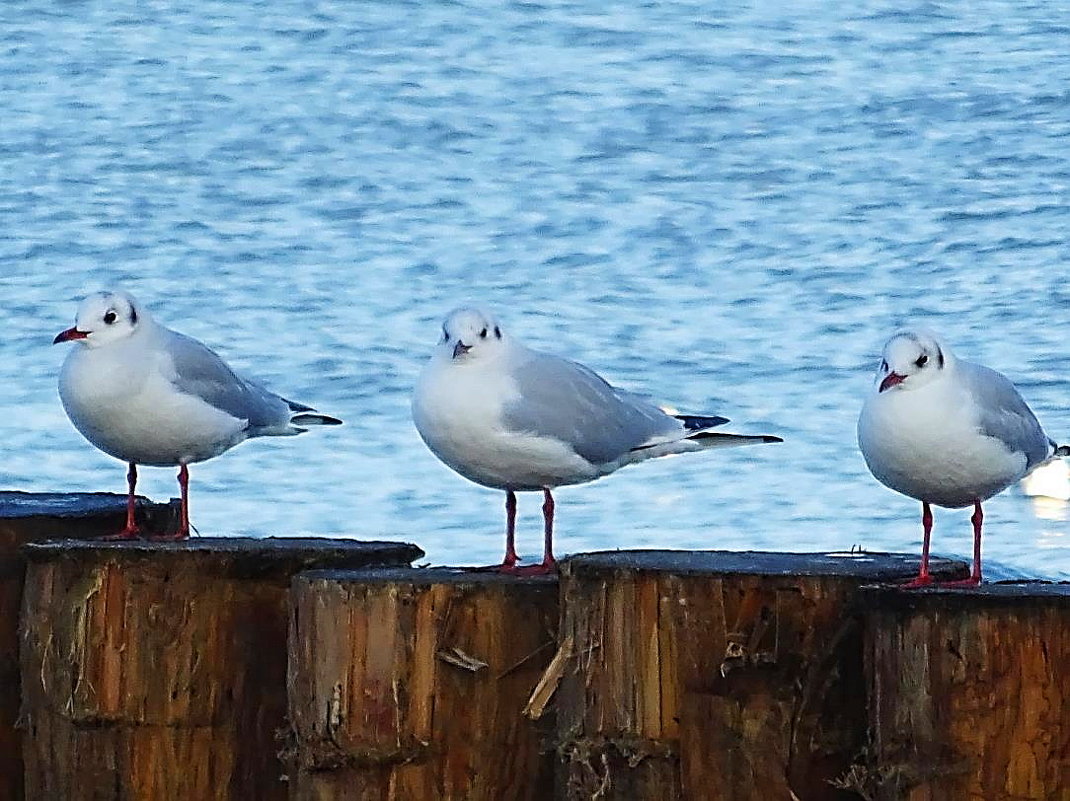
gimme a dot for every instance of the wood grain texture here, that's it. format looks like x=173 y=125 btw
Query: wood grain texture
x=969 y=694
x=35 y=517
x=409 y=685
x=713 y=675
x=158 y=670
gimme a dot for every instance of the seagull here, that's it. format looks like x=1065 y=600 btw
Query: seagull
x=514 y=419
x=949 y=432
x=151 y=396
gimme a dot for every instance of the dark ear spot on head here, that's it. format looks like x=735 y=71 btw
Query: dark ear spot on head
x=133 y=316
x=497 y=332
x=939 y=358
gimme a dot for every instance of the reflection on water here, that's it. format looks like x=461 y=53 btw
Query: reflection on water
x=1050 y=481
x=1048 y=489
x=1054 y=509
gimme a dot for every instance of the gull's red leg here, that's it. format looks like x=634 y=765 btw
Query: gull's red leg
x=548 y=560
x=183 y=525
x=977 y=518
x=131 y=498
x=548 y=564
x=508 y=564
x=130 y=531
x=510 y=560
x=183 y=483
x=924 y=579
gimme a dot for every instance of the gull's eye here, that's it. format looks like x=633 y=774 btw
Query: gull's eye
x=483 y=334
x=110 y=317
x=922 y=360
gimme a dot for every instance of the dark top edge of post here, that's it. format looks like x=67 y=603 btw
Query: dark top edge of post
x=870 y=566
x=237 y=556
x=996 y=595
x=17 y=505
x=424 y=576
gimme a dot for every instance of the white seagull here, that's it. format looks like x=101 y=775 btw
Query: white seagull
x=148 y=395
x=514 y=419
x=946 y=431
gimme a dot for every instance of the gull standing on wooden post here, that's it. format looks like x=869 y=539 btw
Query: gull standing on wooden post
x=148 y=395
x=946 y=431
x=511 y=418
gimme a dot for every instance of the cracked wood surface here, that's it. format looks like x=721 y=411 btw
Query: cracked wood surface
x=409 y=685
x=158 y=670
x=969 y=694
x=718 y=676
x=27 y=517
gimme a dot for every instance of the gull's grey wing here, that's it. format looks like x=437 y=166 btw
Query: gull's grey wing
x=199 y=371
x=1004 y=414
x=567 y=401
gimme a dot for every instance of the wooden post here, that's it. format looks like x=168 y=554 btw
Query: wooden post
x=714 y=675
x=158 y=670
x=35 y=517
x=969 y=694
x=408 y=685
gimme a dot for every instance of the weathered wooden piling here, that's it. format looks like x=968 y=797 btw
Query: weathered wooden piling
x=35 y=517
x=409 y=685
x=969 y=694
x=713 y=675
x=158 y=670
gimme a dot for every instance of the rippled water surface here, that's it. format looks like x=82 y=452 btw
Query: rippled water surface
x=726 y=209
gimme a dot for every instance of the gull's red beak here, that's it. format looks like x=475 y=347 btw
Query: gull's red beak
x=69 y=334
x=460 y=349
x=891 y=380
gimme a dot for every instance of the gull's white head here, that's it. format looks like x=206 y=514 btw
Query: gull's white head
x=104 y=317
x=910 y=360
x=468 y=334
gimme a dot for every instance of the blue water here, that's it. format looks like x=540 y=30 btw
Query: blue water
x=727 y=209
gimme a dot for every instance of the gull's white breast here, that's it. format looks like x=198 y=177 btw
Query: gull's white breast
x=926 y=443
x=120 y=399
x=457 y=409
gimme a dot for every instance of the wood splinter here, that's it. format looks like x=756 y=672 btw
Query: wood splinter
x=433 y=667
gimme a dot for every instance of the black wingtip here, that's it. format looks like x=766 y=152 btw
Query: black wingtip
x=1061 y=450
x=735 y=439
x=699 y=422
